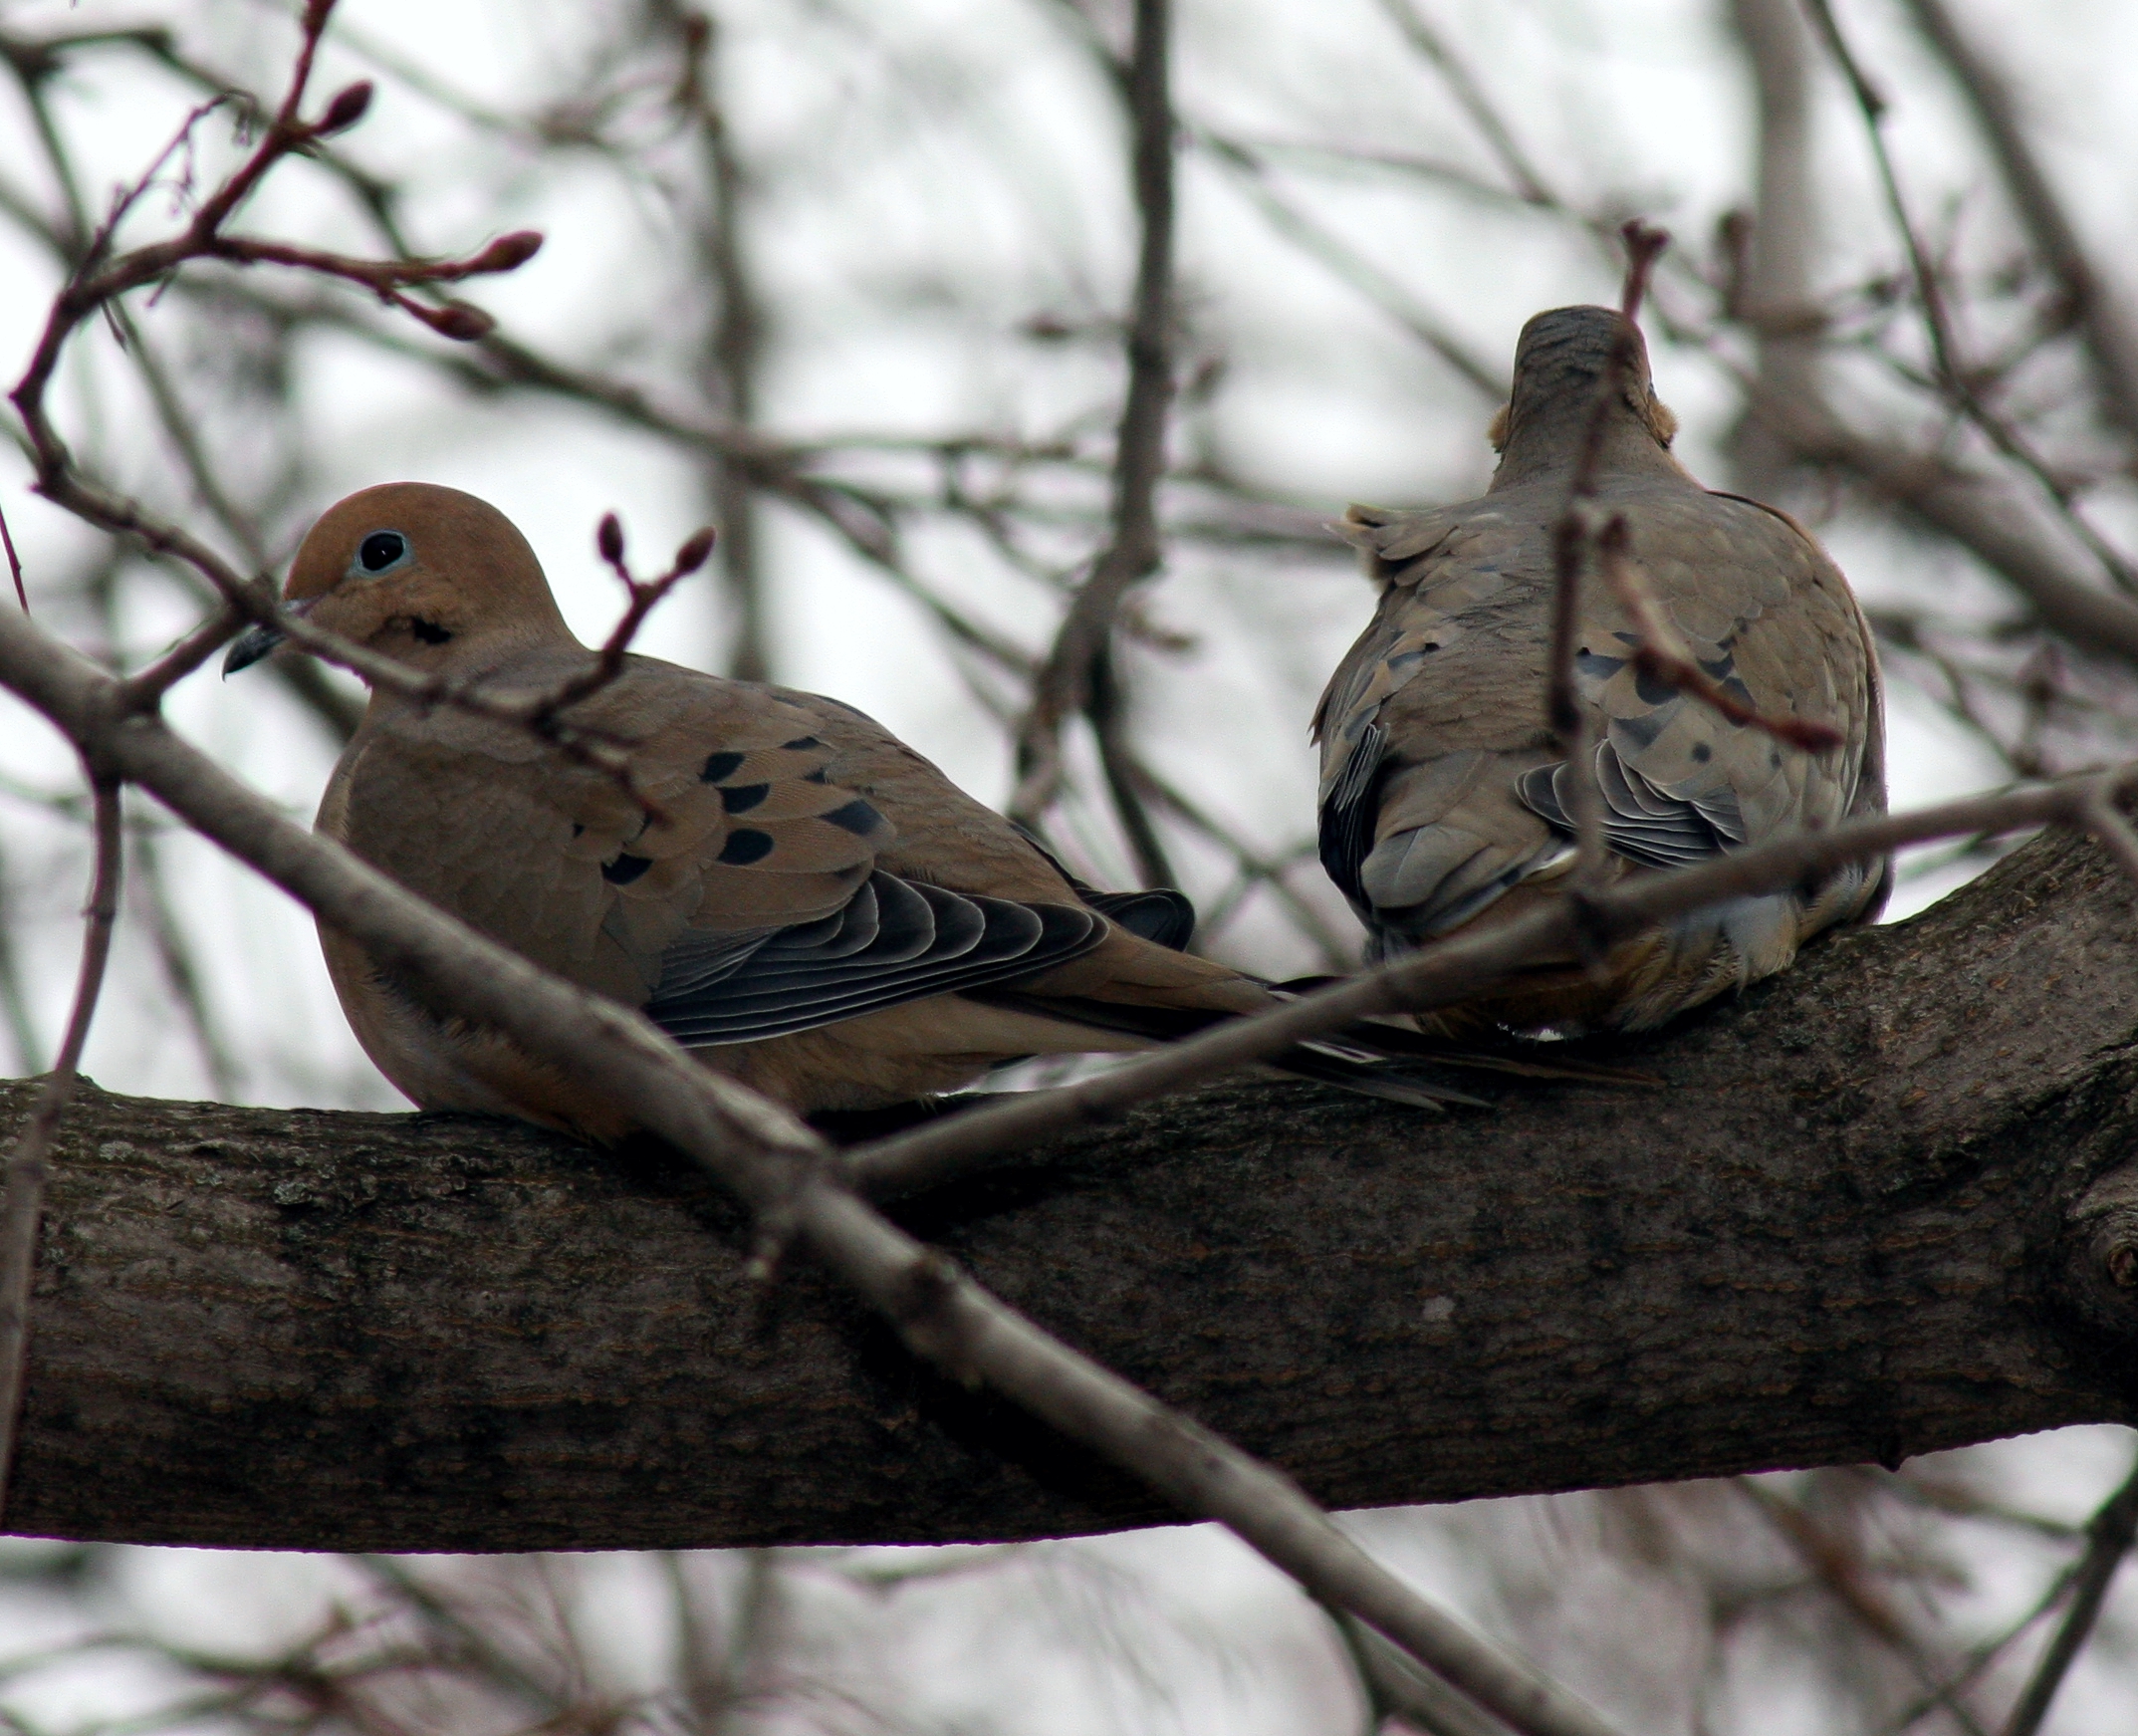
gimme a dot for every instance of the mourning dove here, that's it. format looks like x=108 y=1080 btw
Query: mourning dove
x=1444 y=803
x=785 y=888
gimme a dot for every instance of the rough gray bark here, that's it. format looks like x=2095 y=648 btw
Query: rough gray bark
x=1879 y=1209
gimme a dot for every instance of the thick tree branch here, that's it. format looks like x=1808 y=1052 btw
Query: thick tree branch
x=1881 y=1208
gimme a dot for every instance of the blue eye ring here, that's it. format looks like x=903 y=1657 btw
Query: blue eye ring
x=380 y=552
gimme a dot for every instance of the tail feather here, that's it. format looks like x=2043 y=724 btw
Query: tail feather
x=1350 y=1057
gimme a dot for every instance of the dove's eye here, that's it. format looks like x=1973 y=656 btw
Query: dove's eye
x=380 y=550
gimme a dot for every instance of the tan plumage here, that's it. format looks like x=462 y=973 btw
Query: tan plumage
x=1443 y=801
x=799 y=907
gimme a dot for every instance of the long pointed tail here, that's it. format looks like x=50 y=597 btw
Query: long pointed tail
x=1355 y=1057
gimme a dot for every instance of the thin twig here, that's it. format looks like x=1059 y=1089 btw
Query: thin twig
x=1571 y=537
x=1954 y=379
x=146 y=687
x=498 y=1665
x=1835 y=1562
x=1395 y=1687
x=1645 y=246
x=1769 y=281
x=180 y=973
x=1126 y=783
x=2108 y=1540
x=1469 y=94
x=1318 y=242
x=734 y=346
x=1662 y=656
x=1134 y=550
x=14 y=562
x=542 y=714
x=29 y=1165
x=2102 y=312
x=1338 y=952
x=1974 y=510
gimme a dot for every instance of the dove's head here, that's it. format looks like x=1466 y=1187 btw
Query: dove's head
x=1562 y=361
x=417 y=573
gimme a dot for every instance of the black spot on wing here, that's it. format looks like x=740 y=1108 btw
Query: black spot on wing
x=1642 y=728
x=626 y=868
x=745 y=845
x=741 y=797
x=1652 y=691
x=856 y=816
x=718 y=766
x=799 y=742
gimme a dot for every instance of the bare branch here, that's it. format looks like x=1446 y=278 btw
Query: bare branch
x=1318 y=242
x=1977 y=511
x=1395 y=1687
x=1338 y=950
x=1462 y=84
x=2114 y=833
x=737 y=341
x=1663 y=656
x=2103 y=314
x=1645 y=246
x=542 y=714
x=1954 y=378
x=1770 y=283
x=14 y=562
x=146 y=687
x=1836 y=1565
x=175 y=956
x=2108 y=1540
x=1127 y=783
x=1135 y=549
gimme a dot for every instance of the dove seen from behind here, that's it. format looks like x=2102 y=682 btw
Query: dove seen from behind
x=1445 y=803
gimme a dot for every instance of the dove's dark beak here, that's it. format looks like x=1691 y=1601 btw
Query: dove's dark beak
x=250 y=647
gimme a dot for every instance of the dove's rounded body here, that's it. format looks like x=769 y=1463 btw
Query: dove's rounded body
x=783 y=885
x=1445 y=803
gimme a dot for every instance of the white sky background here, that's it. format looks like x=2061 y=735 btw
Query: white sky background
x=932 y=173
